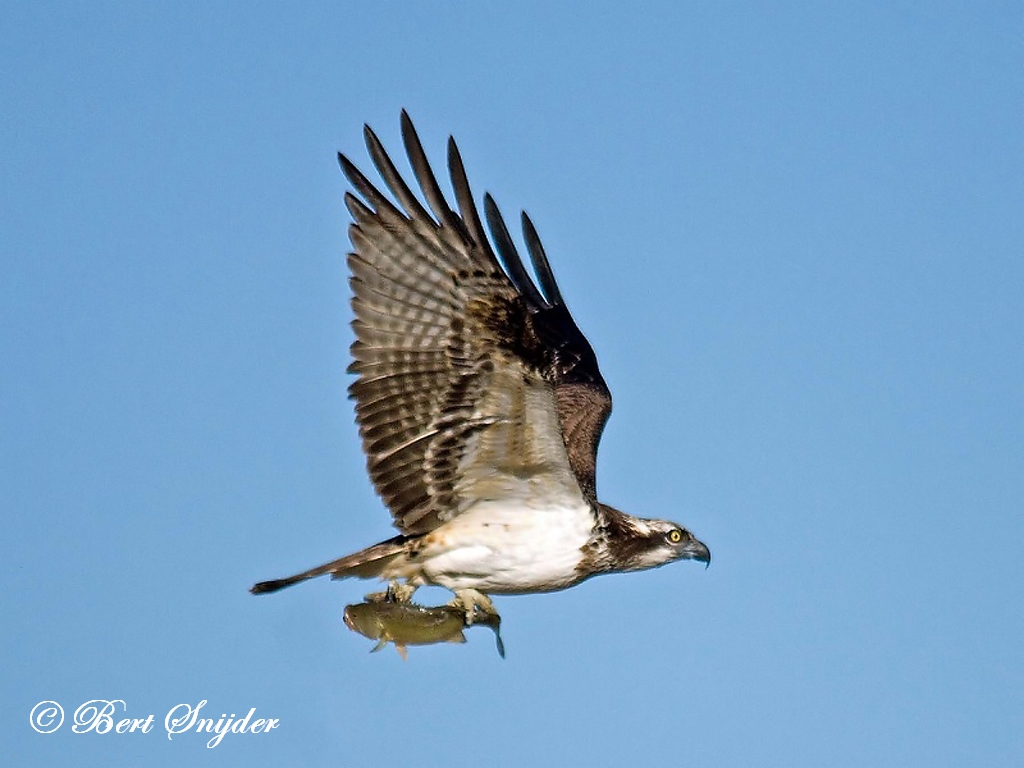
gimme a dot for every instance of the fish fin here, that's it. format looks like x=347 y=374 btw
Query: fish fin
x=383 y=641
x=402 y=651
x=500 y=644
x=459 y=638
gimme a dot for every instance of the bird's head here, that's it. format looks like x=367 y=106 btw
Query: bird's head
x=667 y=541
x=639 y=543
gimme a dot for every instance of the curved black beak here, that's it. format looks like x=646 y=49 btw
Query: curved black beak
x=698 y=550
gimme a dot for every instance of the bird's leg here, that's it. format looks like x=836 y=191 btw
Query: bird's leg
x=395 y=593
x=401 y=593
x=469 y=599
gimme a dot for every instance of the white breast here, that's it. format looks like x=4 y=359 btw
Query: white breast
x=509 y=546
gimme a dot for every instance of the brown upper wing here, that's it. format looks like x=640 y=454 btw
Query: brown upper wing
x=473 y=383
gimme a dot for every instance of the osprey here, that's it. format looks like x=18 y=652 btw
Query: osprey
x=479 y=401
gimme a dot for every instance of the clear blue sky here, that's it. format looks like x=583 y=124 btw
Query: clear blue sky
x=793 y=235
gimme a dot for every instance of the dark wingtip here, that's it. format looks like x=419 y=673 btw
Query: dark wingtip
x=349 y=168
x=407 y=128
x=541 y=265
x=509 y=255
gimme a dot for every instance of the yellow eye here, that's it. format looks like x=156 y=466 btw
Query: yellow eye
x=675 y=536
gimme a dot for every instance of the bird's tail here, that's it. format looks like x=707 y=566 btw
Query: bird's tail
x=366 y=564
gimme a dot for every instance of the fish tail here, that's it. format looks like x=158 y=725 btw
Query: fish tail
x=366 y=563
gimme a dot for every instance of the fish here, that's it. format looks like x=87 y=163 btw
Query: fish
x=404 y=624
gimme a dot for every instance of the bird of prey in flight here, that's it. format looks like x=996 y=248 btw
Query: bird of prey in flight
x=479 y=401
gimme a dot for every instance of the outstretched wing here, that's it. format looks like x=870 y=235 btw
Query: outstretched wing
x=473 y=382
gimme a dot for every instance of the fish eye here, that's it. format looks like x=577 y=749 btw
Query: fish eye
x=675 y=536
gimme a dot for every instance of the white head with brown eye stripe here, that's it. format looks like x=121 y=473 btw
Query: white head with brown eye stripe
x=640 y=543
